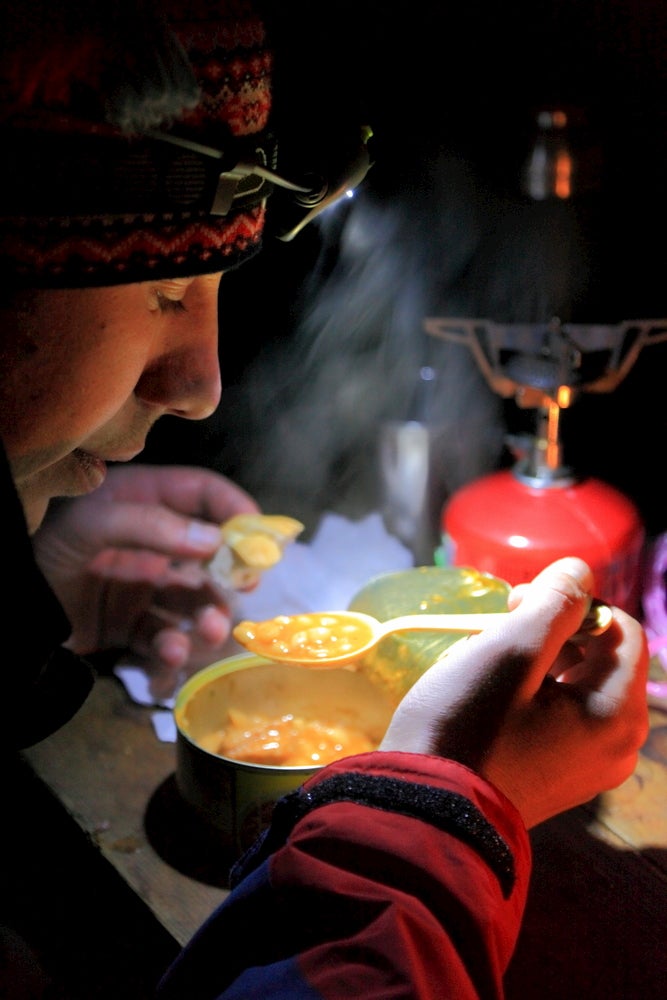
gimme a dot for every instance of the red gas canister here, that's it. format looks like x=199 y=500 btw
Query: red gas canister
x=513 y=526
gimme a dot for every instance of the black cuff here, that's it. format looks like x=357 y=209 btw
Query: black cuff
x=448 y=811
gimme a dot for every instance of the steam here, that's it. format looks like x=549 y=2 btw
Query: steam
x=313 y=408
x=451 y=238
x=443 y=232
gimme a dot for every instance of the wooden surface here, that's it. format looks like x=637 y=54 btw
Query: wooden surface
x=108 y=769
x=596 y=921
x=595 y=926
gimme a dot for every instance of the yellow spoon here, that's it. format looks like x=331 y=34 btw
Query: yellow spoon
x=325 y=639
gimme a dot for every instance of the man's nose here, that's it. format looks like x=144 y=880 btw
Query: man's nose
x=184 y=378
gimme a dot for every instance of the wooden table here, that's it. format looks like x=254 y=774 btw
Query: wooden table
x=596 y=921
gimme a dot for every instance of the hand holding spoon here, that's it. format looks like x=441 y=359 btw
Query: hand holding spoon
x=327 y=639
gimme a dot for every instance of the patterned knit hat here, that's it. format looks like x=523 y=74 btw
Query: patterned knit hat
x=116 y=128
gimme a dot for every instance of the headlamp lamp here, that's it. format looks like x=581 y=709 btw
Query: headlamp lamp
x=158 y=173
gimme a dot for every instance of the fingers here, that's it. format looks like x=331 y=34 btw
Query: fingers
x=456 y=705
x=195 y=492
x=181 y=646
x=545 y=614
x=143 y=526
x=207 y=626
x=606 y=663
x=611 y=670
x=569 y=577
x=521 y=649
x=174 y=510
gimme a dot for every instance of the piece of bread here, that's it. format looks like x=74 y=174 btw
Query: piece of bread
x=251 y=544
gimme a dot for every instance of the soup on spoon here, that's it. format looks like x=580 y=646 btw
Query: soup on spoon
x=327 y=639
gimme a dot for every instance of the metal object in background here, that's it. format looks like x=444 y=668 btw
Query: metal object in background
x=532 y=361
x=408 y=503
x=564 y=159
x=411 y=456
x=514 y=523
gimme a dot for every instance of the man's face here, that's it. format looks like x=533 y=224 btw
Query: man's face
x=87 y=372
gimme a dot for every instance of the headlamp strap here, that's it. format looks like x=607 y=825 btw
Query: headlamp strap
x=69 y=174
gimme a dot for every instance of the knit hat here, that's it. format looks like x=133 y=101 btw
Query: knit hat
x=116 y=126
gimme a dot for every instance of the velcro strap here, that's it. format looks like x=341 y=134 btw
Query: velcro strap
x=448 y=811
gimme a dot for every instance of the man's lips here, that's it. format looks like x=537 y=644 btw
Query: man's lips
x=94 y=467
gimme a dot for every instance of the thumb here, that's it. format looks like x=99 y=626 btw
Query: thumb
x=545 y=614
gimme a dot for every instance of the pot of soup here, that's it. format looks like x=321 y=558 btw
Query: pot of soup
x=250 y=730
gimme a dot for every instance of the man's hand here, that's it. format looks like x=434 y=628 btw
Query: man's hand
x=550 y=723
x=128 y=564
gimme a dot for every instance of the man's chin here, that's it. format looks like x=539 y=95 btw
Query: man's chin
x=73 y=475
x=35 y=512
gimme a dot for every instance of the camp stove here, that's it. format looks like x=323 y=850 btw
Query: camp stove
x=514 y=522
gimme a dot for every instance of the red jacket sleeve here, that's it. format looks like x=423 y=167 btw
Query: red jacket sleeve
x=388 y=875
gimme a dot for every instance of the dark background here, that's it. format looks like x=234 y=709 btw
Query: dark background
x=322 y=339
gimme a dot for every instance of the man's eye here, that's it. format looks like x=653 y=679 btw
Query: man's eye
x=165 y=304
